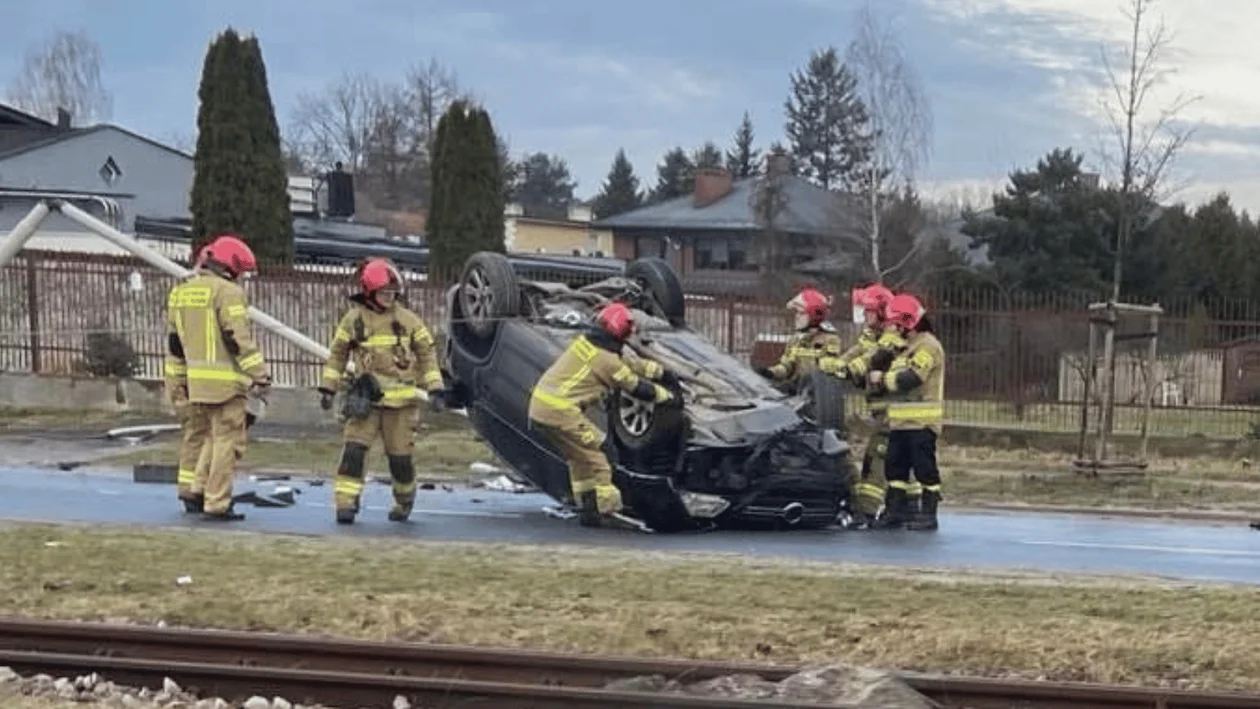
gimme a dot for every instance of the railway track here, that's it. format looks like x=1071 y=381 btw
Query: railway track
x=305 y=669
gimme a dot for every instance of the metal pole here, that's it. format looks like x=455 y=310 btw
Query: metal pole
x=22 y=232
x=162 y=263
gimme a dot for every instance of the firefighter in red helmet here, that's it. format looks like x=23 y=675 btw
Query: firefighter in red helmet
x=915 y=387
x=394 y=356
x=588 y=369
x=815 y=338
x=210 y=343
x=874 y=350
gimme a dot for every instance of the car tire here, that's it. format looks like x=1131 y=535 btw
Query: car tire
x=658 y=277
x=826 y=396
x=488 y=292
x=646 y=431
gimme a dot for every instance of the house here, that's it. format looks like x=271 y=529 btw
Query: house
x=712 y=234
x=569 y=233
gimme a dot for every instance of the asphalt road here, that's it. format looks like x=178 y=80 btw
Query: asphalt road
x=1054 y=543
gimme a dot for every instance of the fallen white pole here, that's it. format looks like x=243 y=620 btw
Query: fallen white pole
x=22 y=233
x=164 y=264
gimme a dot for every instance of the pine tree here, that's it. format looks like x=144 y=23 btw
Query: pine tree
x=240 y=185
x=826 y=122
x=467 y=200
x=744 y=160
x=272 y=215
x=675 y=176
x=620 y=192
x=707 y=157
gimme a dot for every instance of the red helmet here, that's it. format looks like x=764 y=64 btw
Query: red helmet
x=617 y=320
x=906 y=311
x=377 y=274
x=810 y=307
x=876 y=297
x=231 y=254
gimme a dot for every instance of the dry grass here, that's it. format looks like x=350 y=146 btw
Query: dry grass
x=11 y=699
x=649 y=604
x=20 y=419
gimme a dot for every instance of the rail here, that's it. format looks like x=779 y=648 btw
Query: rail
x=370 y=674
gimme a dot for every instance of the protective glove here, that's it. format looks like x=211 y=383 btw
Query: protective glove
x=437 y=401
x=262 y=382
x=669 y=379
x=326 y=397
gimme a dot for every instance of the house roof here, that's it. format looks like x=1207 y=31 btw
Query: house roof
x=809 y=210
x=12 y=117
x=44 y=138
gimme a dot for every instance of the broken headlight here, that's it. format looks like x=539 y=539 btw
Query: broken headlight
x=702 y=505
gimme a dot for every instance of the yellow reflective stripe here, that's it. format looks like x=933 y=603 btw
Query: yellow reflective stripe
x=175 y=369
x=251 y=361
x=623 y=375
x=380 y=341
x=404 y=489
x=237 y=311
x=551 y=400
x=216 y=375
x=341 y=336
x=898 y=485
x=187 y=477
x=932 y=488
x=432 y=379
x=914 y=488
x=583 y=348
x=422 y=336
x=869 y=490
x=916 y=410
x=348 y=486
x=187 y=296
x=923 y=360
x=399 y=393
x=211 y=335
x=652 y=370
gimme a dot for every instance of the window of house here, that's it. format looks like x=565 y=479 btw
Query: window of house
x=722 y=253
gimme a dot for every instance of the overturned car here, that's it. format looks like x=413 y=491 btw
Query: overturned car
x=735 y=452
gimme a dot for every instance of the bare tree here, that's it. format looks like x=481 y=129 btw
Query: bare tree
x=63 y=73
x=1146 y=141
x=431 y=88
x=900 y=125
x=336 y=124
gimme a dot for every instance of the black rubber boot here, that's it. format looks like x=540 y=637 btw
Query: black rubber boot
x=588 y=509
x=228 y=515
x=194 y=504
x=346 y=515
x=925 y=520
x=896 y=510
x=401 y=511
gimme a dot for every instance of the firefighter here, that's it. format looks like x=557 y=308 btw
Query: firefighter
x=194 y=454
x=393 y=353
x=583 y=374
x=208 y=334
x=915 y=387
x=815 y=338
x=873 y=351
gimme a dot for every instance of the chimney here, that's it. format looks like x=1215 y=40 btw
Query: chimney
x=777 y=164
x=63 y=119
x=712 y=184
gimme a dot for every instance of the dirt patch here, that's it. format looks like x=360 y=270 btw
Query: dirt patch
x=649 y=604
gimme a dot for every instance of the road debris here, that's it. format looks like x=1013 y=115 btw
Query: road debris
x=94 y=689
x=838 y=684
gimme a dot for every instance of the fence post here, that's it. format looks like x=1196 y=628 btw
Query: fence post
x=32 y=310
x=730 y=327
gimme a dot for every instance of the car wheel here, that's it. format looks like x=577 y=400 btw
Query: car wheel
x=825 y=395
x=657 y=277
x=488 y=292
x=643 y=427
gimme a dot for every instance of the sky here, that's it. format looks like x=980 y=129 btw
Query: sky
x=1006 y=80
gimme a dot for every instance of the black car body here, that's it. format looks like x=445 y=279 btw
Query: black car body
x=736 y=452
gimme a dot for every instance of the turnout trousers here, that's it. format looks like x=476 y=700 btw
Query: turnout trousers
x=397 y=430
x=581 y=444
x=194 y=455
x=224 y=425
x=912 y=453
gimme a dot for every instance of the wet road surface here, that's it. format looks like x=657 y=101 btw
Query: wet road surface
x=990 y=541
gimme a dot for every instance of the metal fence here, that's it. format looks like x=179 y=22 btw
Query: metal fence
x=1015 y=360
